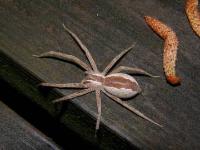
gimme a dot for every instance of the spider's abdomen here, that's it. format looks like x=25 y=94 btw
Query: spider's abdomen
x=121 y=85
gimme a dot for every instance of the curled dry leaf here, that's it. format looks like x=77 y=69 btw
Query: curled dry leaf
x=170 y=48
x=193 y=15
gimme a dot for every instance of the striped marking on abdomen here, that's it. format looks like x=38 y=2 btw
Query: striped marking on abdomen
x=121 y=85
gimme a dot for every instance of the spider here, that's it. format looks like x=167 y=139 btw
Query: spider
x=115 y=85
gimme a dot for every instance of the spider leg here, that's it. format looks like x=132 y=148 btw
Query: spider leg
x=131 y=70
x=67 y=85
x=83 y=47
x=114 y=61
x=65 y=57
x=98 y=98
x=73 y=95
x=132 y=109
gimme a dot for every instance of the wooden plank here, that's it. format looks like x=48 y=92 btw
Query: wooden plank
x=78 y=125
x=107 y=27
x=16 y=133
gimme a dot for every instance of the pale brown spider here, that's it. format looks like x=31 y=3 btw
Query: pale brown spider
x=115 y=85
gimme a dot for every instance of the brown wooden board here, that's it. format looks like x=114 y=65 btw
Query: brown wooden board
x=65 y=124
x=107 y=27
x=16 y=133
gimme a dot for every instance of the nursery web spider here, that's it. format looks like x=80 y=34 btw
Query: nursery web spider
x=115 y=85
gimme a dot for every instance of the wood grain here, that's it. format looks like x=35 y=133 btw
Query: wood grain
x=107 y=27
x=16 y=133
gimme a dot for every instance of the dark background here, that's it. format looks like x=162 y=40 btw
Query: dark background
x=106 y=27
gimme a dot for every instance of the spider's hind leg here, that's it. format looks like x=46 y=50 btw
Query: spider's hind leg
x=130 y=108
x=132 y=70
x=116 y=59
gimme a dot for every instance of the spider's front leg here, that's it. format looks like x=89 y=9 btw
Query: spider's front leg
x=73 y=95
x=67 y=85
x=132 y=70
x=65 y=57
x=83 y=47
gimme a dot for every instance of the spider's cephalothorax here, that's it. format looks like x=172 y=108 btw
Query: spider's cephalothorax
x=115 y=85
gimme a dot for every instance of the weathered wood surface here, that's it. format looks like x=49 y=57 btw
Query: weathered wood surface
x=107 y=27
x=16 y=133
